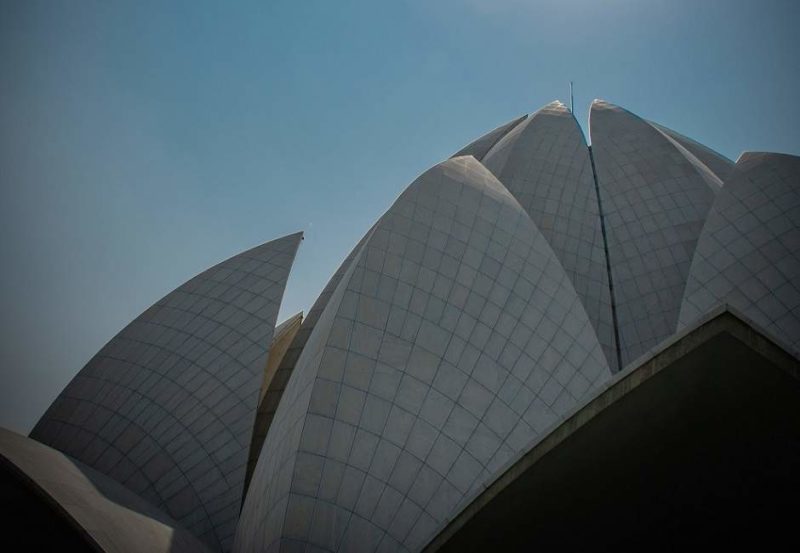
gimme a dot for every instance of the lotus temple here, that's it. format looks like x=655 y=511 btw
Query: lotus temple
x=542 y=345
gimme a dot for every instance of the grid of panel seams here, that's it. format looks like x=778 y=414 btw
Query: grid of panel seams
x=655 y=202
x=749 y=252
x=167 y=406
x=454 y=339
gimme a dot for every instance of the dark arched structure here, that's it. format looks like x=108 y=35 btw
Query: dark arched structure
x=696 y=447
x=55 y=503
x=25 y=504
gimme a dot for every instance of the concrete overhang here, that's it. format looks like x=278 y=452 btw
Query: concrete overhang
x=55 y=503
x=696 y=445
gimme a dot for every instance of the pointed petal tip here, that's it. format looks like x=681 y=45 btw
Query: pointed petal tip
x=555 y=105
x=455 y=160
x=599 y=103
x=748 y=155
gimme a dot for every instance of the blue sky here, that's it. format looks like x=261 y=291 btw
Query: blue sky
x=141 y=143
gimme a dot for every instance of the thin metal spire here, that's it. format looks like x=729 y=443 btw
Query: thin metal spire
x=571 y=99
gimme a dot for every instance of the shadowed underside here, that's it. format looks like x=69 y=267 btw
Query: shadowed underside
x=695 y=448
x=88 y=510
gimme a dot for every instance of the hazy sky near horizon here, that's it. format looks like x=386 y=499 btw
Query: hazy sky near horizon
x=142 y=142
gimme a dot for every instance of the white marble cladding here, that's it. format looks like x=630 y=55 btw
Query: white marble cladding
x=655 y=202
x=545 y=165
x=452 y=342
x=469 y=319
x=748 y=254
x=479 y=148
x=718 y=164
x=167 y=406
x=272 y=397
